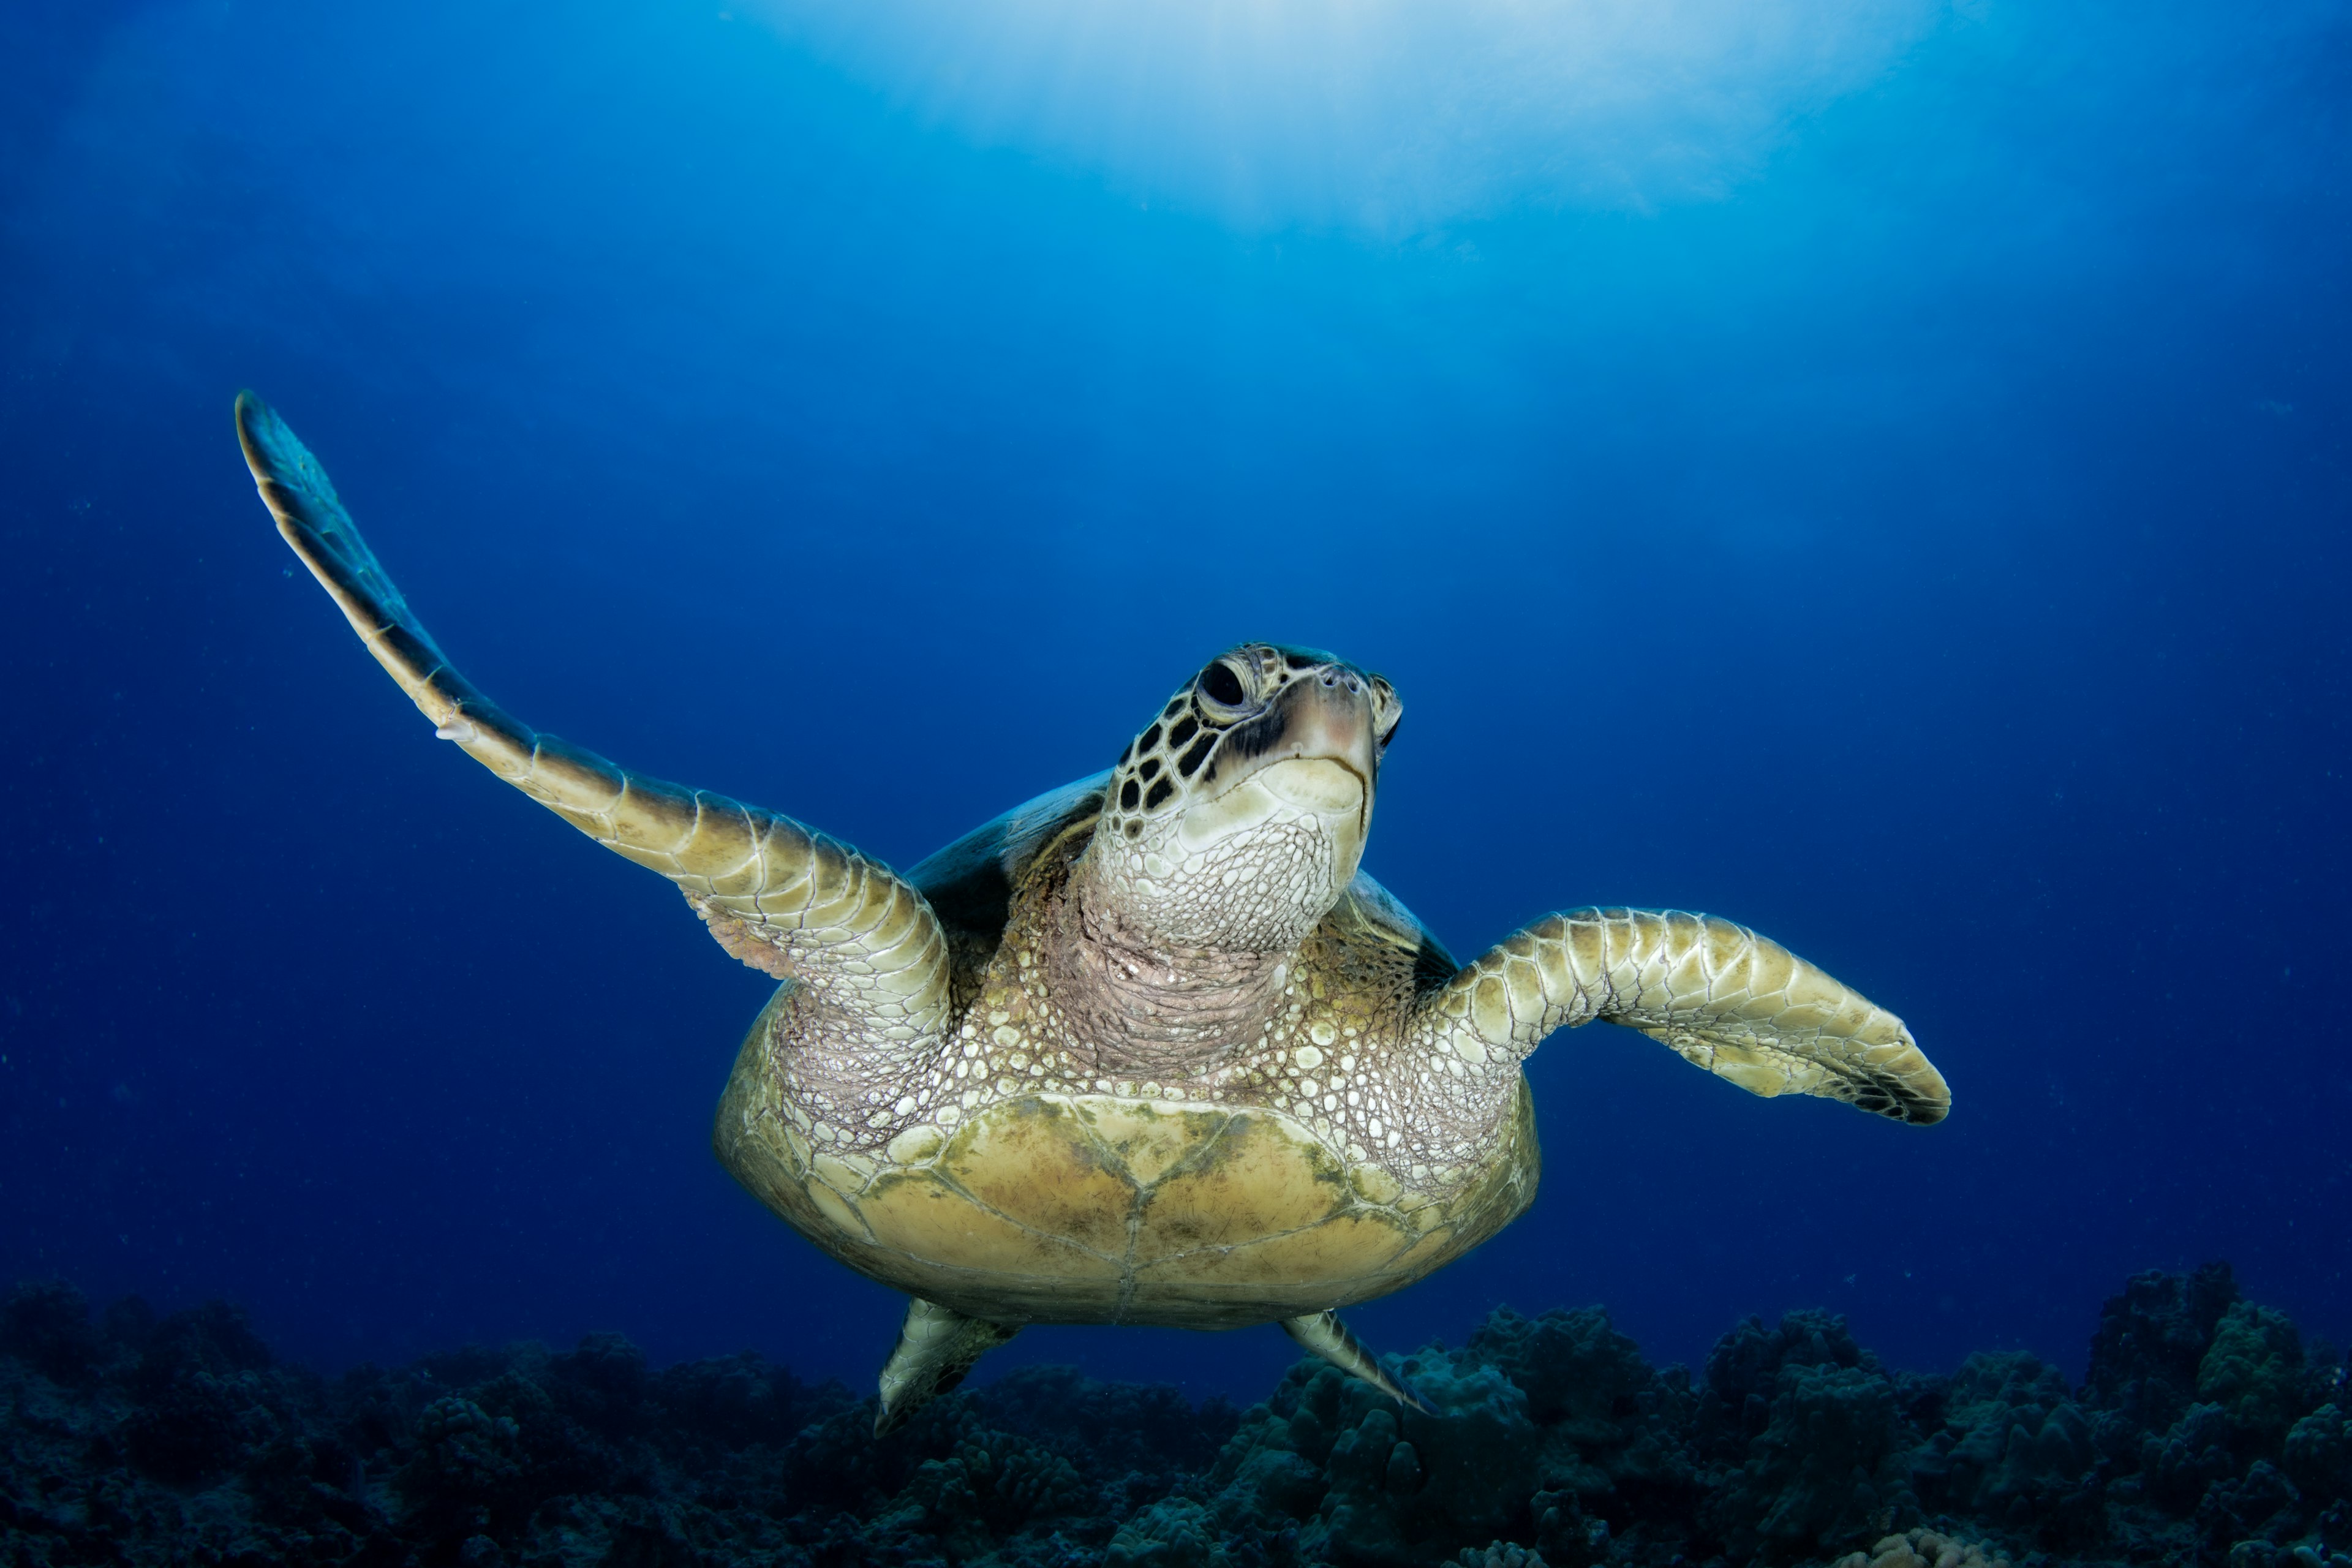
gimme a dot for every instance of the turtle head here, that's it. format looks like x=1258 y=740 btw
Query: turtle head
x=1236 y=818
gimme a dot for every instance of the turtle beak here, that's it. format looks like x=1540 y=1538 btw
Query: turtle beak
x=1316 y=749
x=1329 y=719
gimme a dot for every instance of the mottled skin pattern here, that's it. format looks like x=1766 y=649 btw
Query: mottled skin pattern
x=1149 y=1049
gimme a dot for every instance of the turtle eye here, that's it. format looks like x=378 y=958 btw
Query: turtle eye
x=1222 y=684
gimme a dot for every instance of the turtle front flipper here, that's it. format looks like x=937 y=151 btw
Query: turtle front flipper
x=1327 y=1336
x=776 y=895
x=936 y=1347
x=1736 y=1003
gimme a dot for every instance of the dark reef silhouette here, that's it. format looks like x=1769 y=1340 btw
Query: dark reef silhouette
x=2206 y=1432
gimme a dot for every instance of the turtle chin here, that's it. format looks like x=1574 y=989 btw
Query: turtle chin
x=1249 y=870
x=1290 y=792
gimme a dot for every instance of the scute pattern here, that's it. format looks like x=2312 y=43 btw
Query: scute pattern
x=1091 y=1208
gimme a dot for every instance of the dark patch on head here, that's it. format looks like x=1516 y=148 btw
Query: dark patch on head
x=1127 y=755
x=1150 y=769
x=1160 y=792
x=1190 y=764
x=1183 y=732
x=1128 y=794
x=1173 y=708
x=1297 y=662
x=1258 y=736
x=1149 y=738
x=1135 y=830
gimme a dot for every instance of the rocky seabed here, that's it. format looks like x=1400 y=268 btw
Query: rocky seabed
x=2208 y=1432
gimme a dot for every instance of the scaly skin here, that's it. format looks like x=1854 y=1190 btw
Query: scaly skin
x=1722 y=997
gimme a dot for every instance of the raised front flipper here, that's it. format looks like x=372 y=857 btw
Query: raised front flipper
x=1738 y=1005
x=776 y=895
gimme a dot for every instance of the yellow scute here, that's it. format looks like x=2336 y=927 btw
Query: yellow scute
x=1087 y=1208
x=1341 y=1252
x=835 y=1209
x=916 y=1214
x=1031 y=1162
x=1147 y=1140
x=1256 y=1179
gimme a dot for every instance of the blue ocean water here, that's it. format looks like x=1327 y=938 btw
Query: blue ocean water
x=1876 y=472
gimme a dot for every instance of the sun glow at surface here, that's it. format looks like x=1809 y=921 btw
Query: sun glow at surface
x=1383 y=115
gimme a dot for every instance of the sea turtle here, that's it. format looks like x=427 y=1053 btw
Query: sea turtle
x=1149 y=1049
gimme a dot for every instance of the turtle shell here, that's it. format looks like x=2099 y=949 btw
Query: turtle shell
x=1088 y=1208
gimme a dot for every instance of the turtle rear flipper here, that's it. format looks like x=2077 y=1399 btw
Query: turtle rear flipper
x=776 y=894
x=1327 y=1337
x=937 y=1347
x=1722 y=997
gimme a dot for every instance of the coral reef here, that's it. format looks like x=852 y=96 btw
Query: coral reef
x=2206 y=1432
x=1922 y=1549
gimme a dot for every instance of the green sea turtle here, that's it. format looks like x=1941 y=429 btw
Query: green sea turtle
x=1149 y=1049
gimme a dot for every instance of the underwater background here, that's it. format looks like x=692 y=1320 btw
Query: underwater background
x=1873 y=471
